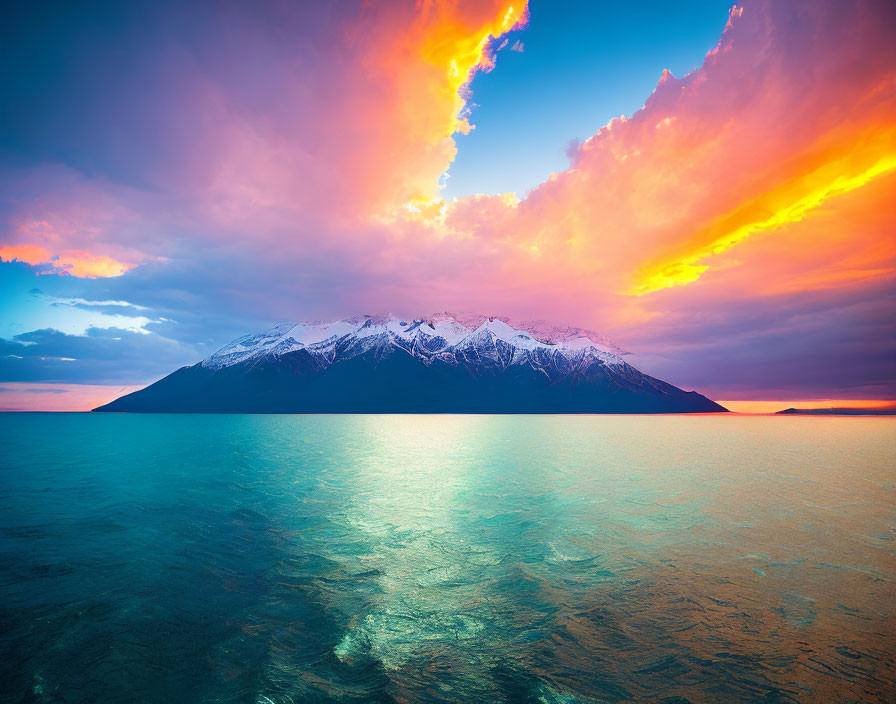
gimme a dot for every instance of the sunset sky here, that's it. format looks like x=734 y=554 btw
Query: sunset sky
x=712 y=187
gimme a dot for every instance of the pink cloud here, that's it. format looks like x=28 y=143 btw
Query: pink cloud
x=66 y=224
x=72 y=398
x=73 y=262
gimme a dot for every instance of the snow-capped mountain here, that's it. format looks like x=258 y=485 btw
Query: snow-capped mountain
x=439 y=363
x=445 y=337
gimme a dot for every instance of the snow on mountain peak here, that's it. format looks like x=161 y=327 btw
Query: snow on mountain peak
x=426 y=337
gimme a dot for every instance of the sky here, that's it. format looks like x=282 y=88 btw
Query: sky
x=710 y=186
x=577 y=66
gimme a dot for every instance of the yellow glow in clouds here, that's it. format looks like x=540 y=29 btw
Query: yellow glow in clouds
x=789 y=203
x=461 y=55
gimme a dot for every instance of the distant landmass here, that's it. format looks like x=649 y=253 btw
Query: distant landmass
x=443 y=363
x=837 y=412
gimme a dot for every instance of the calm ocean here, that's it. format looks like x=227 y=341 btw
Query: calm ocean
x=554 y=559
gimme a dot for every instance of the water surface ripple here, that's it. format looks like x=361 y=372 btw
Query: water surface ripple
x=553 y=559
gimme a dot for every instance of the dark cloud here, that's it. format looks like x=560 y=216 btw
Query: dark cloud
x=102 y=356
x=838 y=343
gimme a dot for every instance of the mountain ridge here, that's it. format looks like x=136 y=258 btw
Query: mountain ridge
x=439 y=363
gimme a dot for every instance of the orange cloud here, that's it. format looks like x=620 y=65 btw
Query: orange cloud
x=734 y=170
x=75 y=227
x=426 y=64
x=90 y=266
x=28 y=253
x=788 y=203
x=73 y=262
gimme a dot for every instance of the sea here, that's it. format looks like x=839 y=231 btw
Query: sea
x=286 y=559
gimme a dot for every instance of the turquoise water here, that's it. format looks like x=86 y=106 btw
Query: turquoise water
x=556 y=559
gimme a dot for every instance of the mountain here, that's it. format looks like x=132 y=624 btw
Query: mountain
x=838 y=412
x=444 y=363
